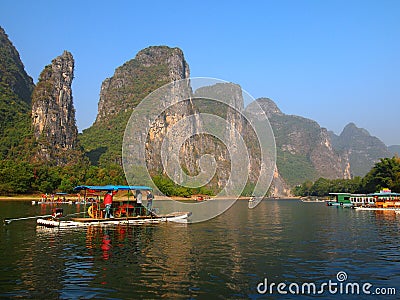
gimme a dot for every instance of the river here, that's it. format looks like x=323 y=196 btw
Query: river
x=241 y=254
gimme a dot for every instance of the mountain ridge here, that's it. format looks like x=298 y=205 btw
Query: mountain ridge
x=305 y=150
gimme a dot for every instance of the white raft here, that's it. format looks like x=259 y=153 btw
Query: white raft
x=177 y=217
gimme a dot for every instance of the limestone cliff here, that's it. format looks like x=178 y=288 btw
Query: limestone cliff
x=151 y=68
x=53 y=113
x=359 y=148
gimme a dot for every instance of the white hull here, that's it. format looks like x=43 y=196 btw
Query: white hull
x=82 y=222
x=313 y=201
x=378 y=208
x=338 y=204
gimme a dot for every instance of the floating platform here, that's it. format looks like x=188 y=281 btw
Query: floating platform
x=177 y=217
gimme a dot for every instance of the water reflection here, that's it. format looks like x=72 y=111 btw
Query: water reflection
x=225 y=258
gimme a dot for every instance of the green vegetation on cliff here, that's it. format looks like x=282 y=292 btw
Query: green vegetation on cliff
x=15 y=89
x=295 y=168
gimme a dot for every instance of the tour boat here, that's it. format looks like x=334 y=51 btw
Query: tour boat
x=383 y=200
x=123 y=211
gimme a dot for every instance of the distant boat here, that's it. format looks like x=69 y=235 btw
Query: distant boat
x=312 y=200
x=62 y=198
x=253 y=201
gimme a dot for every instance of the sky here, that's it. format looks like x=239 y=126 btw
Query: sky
x=335 y=62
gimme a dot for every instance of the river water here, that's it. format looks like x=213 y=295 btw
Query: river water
x=241 y=254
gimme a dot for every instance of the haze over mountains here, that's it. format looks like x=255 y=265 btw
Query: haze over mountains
x=45 y=119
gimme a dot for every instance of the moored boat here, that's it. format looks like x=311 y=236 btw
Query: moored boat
x=382 y=200
x=341 y=200
x=59 y=198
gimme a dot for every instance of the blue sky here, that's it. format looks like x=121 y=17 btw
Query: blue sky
x=332 y=61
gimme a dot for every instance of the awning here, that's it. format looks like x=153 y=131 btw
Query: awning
x=112 y=187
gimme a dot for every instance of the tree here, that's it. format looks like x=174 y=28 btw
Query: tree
x=15 y=177
x=321 y=187
x=385 y=174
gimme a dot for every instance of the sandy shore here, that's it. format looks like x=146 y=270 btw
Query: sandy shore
x=20 y=198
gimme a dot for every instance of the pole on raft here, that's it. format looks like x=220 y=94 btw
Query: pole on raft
x=8 y=221
x=127 y=205
x=84 y=209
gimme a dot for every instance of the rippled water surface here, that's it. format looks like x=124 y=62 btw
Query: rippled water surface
x=226 y=257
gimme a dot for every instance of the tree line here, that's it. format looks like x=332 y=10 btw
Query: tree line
x=384 y=174
x=21 y=177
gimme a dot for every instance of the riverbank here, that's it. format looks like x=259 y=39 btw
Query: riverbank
x=38 y=197
x=20 y=197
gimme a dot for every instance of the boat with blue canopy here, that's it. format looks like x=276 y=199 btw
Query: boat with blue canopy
x=119 y=211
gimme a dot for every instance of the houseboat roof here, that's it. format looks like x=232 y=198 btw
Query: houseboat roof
x=384 y=194
x=112 y=187
x=339 y=194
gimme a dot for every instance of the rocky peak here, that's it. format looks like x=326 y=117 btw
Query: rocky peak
x=269 y=107
x=53 y=113
x=350 y=131
x=133 y=81
x=173 y=57
x=360 y=148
